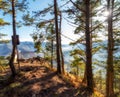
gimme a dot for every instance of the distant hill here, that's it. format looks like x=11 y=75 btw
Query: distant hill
x=27 y=49
x=6 y=48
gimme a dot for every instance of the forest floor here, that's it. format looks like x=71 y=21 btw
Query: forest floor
x=35 y=80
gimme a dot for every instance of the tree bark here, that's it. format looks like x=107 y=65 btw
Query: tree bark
x=89 y=73
x=57 y=38
x=11 y=62
x=61 y=53
x=110 y=69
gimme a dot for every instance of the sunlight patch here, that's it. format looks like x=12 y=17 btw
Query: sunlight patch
x=16 y=84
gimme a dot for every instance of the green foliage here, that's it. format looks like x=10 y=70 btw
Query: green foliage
x=3 y=23
x=28 y=20
x=19 y=5
x=38 y=39
x=50 y=37
x=116 y=30
x=77 y=65
x=45 y=11
x=46 y=32
x=77 y=52
x=79 y=29
x=50 y=28
x=79 y=20
x=96 y=49
x=37 y=46
x=2 y=68
x=14 y=85
x=116 y=73
x=77 y=61
x=2 y=40
x=1 y=34
x=4 y=5
x=41 y=24
x=117 y=36
x=48 y=57
x=6 y=9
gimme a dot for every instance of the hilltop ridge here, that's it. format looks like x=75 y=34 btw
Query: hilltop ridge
x=37 y=80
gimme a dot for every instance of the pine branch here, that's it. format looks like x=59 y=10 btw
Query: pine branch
x=77 y=6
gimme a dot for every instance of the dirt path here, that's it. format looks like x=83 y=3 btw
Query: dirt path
x=39 y=81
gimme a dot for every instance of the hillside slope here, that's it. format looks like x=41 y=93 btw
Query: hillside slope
x=38 y=81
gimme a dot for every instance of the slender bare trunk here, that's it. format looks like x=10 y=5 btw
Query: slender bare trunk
x=62 y=57
x=57 y=38
x=11 y=62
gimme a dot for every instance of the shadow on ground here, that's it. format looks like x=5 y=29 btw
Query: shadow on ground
x=39 y=81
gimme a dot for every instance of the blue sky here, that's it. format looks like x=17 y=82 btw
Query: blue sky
x=24 y=32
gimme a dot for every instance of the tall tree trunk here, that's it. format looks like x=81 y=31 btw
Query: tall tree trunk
x=110 y=69
x=11 y=62
x=88 y=48
x=62 y=57
x=90 y=27
x=62 y=61
x=57 y=38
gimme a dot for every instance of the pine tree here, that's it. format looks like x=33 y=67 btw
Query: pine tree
x=57 y=38
x=110 y=67
x=15 y=38
x=88 y=47
x=11 y=62
x=87 y=28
